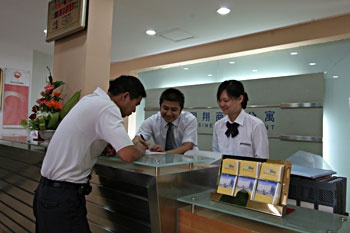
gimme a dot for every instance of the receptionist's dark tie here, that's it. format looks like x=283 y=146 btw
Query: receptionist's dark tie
x=232 y=129
x=170 y=140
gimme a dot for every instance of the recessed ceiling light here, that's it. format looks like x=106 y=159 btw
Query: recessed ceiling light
x=232 y=62
x=254 y=70
x=45 y=31
x=151 y=32
x=294 y=53
x=186 y=68
x=312 y=63
x=223 y=10
x=209 y=75
x=335 y=76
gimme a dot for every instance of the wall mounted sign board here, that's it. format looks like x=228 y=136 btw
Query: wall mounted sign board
x=65 y=17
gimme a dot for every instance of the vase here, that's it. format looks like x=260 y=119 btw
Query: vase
x=46 y=134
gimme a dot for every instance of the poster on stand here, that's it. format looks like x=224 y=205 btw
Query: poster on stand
x=16 y=97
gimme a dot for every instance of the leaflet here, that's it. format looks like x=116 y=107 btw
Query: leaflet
x=247 y=184
x=230 y=166
x=267 y=191
x=271 y=171
x=249 y=168
x=227 y=184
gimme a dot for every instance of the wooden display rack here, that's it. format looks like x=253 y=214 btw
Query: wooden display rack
x=242 y=198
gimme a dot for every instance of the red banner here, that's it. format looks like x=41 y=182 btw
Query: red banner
x=16 y=97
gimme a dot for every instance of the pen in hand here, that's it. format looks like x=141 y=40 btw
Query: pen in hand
x=144 y=141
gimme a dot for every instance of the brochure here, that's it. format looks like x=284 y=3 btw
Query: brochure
x=245 y=183
x=230 y=166
x=267 y=192
x=271 y=171
x=227 y=184
x=249 y=168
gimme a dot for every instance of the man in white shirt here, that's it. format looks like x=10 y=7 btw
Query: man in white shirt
x=97 y=119
x=184 y=125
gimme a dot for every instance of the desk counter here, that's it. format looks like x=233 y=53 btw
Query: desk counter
x=126 y=197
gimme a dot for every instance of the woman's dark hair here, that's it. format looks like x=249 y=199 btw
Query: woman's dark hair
x=174 y=95
x=127 y=83
x=234 y=89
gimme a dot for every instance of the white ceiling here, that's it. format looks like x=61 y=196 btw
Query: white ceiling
x=22 y=22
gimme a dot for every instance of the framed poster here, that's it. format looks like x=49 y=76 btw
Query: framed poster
x=65 y=17
x=16 y=97
x=0 y=87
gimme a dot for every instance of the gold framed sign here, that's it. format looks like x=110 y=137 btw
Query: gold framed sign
x=65 y=17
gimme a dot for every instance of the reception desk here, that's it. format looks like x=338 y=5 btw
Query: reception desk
x=158 y=193
x=126 y=197
x=142 y=196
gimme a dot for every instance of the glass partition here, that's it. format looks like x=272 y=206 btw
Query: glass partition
x=158 y=160
x=298 y=219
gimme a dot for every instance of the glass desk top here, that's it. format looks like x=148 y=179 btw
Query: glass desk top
x=299 y=220
x=159 y=160
x=20 y=139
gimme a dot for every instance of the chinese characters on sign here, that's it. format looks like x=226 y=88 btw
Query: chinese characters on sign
x=65 y=17
x=207 y=118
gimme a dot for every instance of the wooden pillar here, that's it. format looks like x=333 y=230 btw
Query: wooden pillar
x=82 y=60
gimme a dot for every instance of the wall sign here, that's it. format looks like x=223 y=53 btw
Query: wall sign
x=16 y=97
x=289 y=106
x=65 y=17
x=0 y=87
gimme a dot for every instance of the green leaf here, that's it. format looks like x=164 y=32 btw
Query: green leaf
x=53 y=120
x=42 y=123
x=69 y=104
x=24 y=123
x=57 y=83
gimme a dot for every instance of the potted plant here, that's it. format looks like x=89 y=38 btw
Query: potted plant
x=49 y=109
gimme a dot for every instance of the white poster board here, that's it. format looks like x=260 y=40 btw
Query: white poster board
x=16 y=97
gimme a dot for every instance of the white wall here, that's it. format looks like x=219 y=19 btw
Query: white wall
x=23 y=58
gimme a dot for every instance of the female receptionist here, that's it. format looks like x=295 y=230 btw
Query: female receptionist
x=238 y=133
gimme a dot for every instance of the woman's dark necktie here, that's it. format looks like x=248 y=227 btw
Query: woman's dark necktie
x=232 y=129
x=170 y=140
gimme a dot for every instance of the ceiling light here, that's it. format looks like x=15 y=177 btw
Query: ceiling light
x=232 y=62
x=45 y=31
x=210 y=75
x=312 y=63
x=186 y=68
x=223 y=10
x=335 y=76
x=254 y=70
x=294 y=53
x=151 y=32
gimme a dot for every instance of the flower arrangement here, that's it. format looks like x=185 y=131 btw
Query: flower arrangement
x=49 y=110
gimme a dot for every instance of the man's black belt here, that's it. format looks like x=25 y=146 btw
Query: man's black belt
x=84 y=189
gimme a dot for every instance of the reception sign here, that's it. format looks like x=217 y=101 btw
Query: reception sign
x=16 y=97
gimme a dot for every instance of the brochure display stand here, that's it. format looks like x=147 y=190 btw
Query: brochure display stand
x=257 y=184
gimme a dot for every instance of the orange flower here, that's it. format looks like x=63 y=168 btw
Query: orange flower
x=57 y=105
x=57 y=93
x=49 y=102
